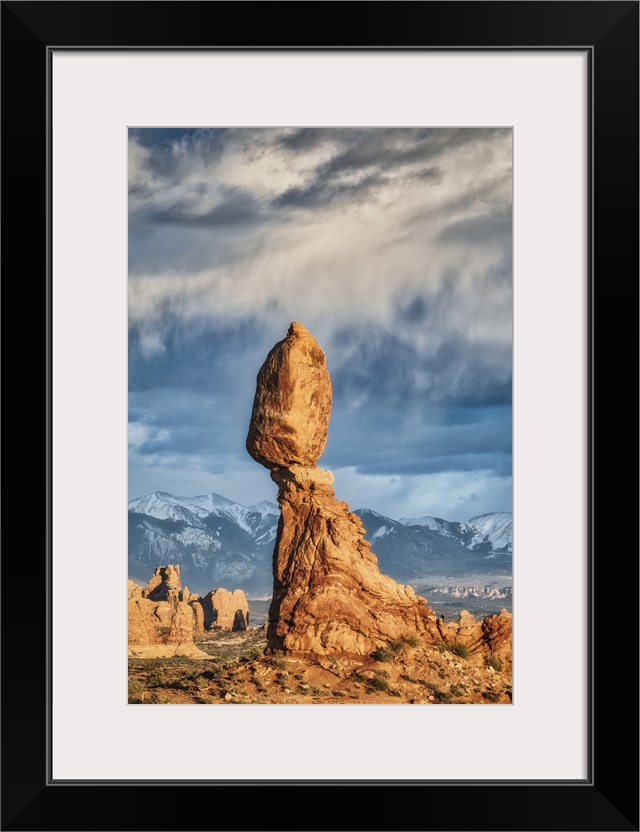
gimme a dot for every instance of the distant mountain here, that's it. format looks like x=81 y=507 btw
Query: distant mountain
x=218 y=542
x=430 y=547
x=487 y=532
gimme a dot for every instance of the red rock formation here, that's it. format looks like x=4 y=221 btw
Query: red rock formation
x=164 y=585
x=329 y=595
x=134 y=590
x=161 y=628
x=492 y=635
x=163 y=617
x=292 y=405
x=225 y=610
x=143 y=627
x=198 y=615
x=186 y=596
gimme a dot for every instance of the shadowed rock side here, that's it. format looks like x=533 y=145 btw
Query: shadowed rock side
x=329 y=595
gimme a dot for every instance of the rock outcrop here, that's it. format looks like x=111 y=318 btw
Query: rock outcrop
x=134 y=590
x=164 y=584
x=143 y=625
x=492 y=635
x=329 y=595
x=164 y=617
x=198 y=616
x=159 y=628
x=225 y=610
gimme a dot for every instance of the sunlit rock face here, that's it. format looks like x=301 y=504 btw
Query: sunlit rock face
x=292 y=405
x=329 y=595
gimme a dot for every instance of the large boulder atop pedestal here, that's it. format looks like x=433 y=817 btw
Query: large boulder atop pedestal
x=292 y=404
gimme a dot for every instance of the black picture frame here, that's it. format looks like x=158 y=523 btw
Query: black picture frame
x=608 y=798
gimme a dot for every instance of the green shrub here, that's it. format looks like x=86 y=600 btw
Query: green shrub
x=412 y=641
x=155 y=699
x=490 y=695
x=440 y=696
x=454 y=647
x=495 y=662
x=156 y=680
x=135 y=687
x=443 y=698
x=378 y=683
x=383 y=654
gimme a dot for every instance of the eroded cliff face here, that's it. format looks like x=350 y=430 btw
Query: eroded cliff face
x=329 y=594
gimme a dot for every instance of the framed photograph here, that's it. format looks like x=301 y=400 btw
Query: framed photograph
x=558 y=84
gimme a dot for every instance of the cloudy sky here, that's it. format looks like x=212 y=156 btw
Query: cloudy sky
x=392 y=246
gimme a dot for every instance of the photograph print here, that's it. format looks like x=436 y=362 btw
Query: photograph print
x=320 y=415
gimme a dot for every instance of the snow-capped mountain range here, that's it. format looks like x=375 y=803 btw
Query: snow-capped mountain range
x=218 y=542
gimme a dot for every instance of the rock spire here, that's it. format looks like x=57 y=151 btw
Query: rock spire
x=329 y=595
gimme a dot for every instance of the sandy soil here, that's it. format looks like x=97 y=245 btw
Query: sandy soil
x=237 y=672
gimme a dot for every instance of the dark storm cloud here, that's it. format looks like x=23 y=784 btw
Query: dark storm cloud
x=236 y=207
x=378 y=151
x=421 y=439
x=202 y=358
x=361 y=147
x=497 y=464
x=384 y=366
x=326 y=192
x=189 y=423
x=162 y=141
x=480 y=230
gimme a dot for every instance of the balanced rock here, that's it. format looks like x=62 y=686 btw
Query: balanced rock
x=225 y=610
x=329 y=597
x=292 y=404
